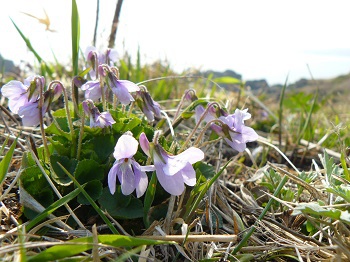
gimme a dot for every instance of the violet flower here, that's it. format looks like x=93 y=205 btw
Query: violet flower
x=30 y=113
x=147 y=105
x=172 y=171
x=20 y=94
x=235 y=133
x=130 y=174
x=97 y=119
x=122 y=88
x=91 y=54
x=92 y=90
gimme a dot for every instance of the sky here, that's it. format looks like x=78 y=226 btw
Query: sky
x=269 y=39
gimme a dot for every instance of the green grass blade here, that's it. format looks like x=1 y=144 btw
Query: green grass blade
x=149 y=197
x=345 y=168
x=91 y=201
x=308 y=119
x=50 y=209
x=5 y=162
x=76 y=246
x=280 y=113
x=3 y=145
x=75 y=37
x=191 y=207
x=246 y=237
x=44 y=67
x=27 y=41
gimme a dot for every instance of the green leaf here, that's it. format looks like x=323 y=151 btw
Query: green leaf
x=75 y=37
x=6 y=161
x=207 y=170
x=315 y=209
x=78 y=245
x=3 y=145
x=60 y=144
x=120 y=206
x=59 y=176
x=34 y=182
x=94 y=189
x=99 y=148
x=88 y=170
x=228 y=80
x=91 y=201
x=345 y=168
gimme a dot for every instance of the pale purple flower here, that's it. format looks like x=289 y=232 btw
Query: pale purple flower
x=97 y=119
x=235 y=133
x=147 y=105
x=30 y=113
x=172 y=171
x=109 y=57
x=122 y=89
x=92 y=90
x=130 y=174
x=20 y=94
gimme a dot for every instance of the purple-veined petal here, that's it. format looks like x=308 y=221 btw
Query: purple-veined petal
x=104 y=119
x=130 y=86
x=126 y=178
x=172 y=184
x=249 y=134
x=141 y=179
x=92 y=90
x=112 y=177
x=30 y=114
x=236 y=142
x=188 y=174
x=144 y=143
x=123 y=94
x=178 y=162
x=126 y=147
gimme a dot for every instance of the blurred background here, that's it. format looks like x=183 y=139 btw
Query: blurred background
x=256 y=39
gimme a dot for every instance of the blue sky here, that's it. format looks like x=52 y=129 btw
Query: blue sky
x=259 y=39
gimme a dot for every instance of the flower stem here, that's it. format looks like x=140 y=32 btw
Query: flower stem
x=40 y=107
x=81 y=133
x=70 y=122
x=197 y=125
x=204 y=130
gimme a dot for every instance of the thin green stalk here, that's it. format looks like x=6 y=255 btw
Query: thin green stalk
x=196 y=126
x=276 y=193
x=81 y=134
x=41 y=118
x=280 y=114
x=263 y=213
x=196 y=143
x=91 y=201
x=70 y=122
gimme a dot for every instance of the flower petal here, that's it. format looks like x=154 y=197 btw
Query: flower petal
x=144 y=143
x=112 y=177
x=126 y=179
x=172 y=184
x=176 y=163
x=130 y=86
x=126 y=147
x=123 y=94
x=249 y=134
x=189 y=175
x=141 y=179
